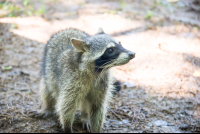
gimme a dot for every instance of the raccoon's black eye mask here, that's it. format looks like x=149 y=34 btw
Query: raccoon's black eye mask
x=108 y=57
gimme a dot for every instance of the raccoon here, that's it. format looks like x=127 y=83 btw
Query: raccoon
x=76 y=72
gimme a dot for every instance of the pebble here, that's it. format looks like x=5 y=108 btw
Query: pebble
x=125 y=121
x=129 y=85
x=160 y=123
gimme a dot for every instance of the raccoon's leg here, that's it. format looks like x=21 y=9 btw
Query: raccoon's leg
x=97 y=112
x=66 y=107
x=84 y=116
x=47 y=100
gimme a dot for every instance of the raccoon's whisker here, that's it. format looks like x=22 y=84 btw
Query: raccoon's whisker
x=104 y=69
x=102 y=73
x=106 y=60
x=99 y=77
x=107 y=66
x=102 y=65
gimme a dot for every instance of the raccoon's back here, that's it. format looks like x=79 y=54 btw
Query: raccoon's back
x=58 y=43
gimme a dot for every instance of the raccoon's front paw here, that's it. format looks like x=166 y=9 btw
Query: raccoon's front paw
x=86 y=126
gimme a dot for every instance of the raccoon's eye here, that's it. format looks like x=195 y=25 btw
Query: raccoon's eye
x=109 y=50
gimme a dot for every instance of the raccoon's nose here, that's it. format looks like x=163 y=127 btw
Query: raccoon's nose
x=131 y=55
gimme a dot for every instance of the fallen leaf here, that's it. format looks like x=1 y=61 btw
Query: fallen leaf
x=6 y=68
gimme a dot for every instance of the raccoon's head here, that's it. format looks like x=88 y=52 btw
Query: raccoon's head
x=104 y=51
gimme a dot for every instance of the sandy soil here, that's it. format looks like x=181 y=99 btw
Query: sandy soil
x=165 y=72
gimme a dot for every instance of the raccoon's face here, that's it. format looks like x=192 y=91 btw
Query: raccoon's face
x=114 y=55
x=103 y=50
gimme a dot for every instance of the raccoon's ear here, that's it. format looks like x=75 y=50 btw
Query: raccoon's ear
x=100 y=31
x=80 y=45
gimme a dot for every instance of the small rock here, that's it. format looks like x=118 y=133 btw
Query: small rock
x=120 y=122
x=129 y=85
x=147 y=127
x=2 y=104
x=125 y=121
x=160 y=123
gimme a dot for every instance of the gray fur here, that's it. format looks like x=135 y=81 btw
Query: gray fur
x=69 y=80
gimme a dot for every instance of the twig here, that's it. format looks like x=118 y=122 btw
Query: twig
x=116 y=115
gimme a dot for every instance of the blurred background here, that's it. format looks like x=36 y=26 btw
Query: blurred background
x=161 y=86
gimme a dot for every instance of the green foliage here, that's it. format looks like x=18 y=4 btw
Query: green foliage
x=13 y=10
x=157 y=2
x=112 y=12
x=122 y=4
x=29 y=13
x=26 y=2
x=52 y=0
x=6 y=68
x=149 y=14
x=41 y=10
x=196 y=28
x=15 y=26
x=27 y=10
x=172 y=0
x=169 y=4
x=81 y=3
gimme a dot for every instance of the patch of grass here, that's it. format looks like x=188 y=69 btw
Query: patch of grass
x=196 y=28
x=148 y=15
x=26 y=2
x=15 y=26
x=122 y=4
x=169 y=4
x=112 y=12
x=27 y=10
x=172 y=1
x=157 y=2
x=41 y=11
x=53 y=0
x=13 y=10
x=81 y=3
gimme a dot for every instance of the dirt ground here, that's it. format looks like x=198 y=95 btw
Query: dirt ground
x=161 y=86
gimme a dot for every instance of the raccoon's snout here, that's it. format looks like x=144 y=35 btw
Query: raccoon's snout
x=131 y=55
